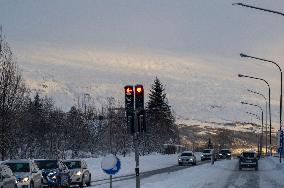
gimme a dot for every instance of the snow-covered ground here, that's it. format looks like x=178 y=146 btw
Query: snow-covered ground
x=222 y=174
x=147 y=163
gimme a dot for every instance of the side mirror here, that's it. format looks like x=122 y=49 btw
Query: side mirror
x=6 y=176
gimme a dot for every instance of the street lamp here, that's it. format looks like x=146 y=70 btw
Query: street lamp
x=258 y=137
x=265 y=116
x=269 y=106
x=261 y=122
x=265 y=60
x=258 y=8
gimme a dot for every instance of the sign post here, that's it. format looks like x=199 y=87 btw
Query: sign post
x=110 y=165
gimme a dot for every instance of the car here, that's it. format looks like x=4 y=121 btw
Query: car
x=224 y=154
x=248 y=159
x=186 y=157
x=80 y=175
x=26 y=172
x=207 y=154
x=54 y=173
x=7 y=178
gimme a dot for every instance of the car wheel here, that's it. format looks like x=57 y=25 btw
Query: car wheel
x=81 y=185
x=32 y=184
x=15 y=186
x=89 y=182
x=256 y=168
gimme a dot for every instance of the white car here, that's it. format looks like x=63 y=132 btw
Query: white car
x=207 y=154
x=80 y=175
x=7 y=179
x=26 y=172
x=187 y=157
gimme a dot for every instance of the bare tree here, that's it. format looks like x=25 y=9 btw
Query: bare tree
x=12 y=96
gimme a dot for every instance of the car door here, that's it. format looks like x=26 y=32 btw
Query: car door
x=86 y=171
x=36 y=174
x=8 y=178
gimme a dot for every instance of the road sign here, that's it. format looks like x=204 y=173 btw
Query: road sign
x=110 y=164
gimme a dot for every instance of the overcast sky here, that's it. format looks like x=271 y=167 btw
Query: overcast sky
x=193 y=46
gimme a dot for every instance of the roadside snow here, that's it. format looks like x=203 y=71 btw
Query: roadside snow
x=147 y=163
x=271 y=172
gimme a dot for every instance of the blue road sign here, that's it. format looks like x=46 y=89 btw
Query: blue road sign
x=111 y=164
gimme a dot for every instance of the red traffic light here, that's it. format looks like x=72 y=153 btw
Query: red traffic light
x=139 y=89
x=128 y=90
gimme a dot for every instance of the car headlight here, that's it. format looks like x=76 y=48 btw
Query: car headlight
x=220 y=154
x=201 y=155
x=78 y=173
x=228 y=154
x=53 y=177
x=25 y=179
x=191 y=159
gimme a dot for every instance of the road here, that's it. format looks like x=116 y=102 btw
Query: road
x=251 y=178
x=146 y=174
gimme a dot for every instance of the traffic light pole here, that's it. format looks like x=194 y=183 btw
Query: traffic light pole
x=135 y=137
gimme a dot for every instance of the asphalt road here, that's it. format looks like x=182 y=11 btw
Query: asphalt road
x=146 y=174
x=243 y=179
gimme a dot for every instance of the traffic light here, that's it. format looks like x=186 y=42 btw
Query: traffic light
x=139 y=97
x=129 y=108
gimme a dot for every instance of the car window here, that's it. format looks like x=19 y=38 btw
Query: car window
x=19 y=167
x=225 y=151
x=73 y=164
x=186 y=154
x=207 y=151
x=47 y=164
x=249 y=155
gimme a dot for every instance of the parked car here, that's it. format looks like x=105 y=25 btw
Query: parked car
x=54 y=173
x=80 y=175
x=248 y=159
x=7 y=178
x=26 y=172
x=224 y=154
x=207 y=153
x=187 y=157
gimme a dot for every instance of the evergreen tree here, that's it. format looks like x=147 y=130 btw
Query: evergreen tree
x=160 y=120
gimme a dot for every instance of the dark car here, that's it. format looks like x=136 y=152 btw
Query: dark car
x=224 y=154
x=54 y=173
x=248 y=159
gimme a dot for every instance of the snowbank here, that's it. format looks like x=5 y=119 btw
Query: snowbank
x=147 y=163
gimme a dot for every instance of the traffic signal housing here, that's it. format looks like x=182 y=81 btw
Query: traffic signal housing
x=129 y=108
x=139 y=97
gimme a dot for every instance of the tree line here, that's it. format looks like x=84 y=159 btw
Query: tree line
x=31 y=126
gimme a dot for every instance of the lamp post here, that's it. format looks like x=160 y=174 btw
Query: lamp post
x=269 y=105
x=265 y=116
x=258 y=137
x=258 y=8
x=265 y=60
x=261 y=122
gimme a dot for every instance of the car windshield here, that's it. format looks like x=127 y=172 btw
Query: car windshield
x=47 y=164
x=249 y=155
x=225 y=151
x=73 y=164
x=207 y=151
x=19 y=167
x=186 y=154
